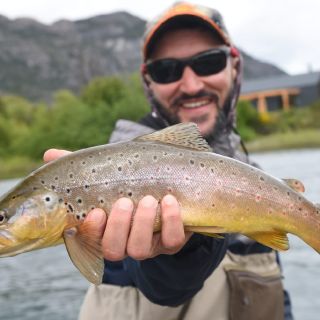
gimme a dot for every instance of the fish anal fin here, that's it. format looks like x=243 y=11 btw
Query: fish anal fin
x=294 y=184
x=185 y=135
x=84 y=247
x=274 y=239
x=213 y=232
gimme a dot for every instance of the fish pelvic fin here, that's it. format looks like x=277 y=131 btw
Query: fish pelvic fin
x=274 y=239
x=294 y=184
x=213 y=232
x=83 y=244
x=183 y=134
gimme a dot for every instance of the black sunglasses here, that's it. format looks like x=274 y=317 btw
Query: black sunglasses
x=203 y=64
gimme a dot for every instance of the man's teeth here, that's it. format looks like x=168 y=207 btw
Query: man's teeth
x=195 y=104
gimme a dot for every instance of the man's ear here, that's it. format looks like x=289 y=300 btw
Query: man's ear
x=145 y=75
x=235 y=67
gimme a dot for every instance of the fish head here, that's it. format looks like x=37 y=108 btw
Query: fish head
x=30 y=220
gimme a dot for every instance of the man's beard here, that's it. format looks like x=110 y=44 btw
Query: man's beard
x=171 y=117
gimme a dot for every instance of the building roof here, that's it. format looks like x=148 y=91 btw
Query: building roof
x=279 y=82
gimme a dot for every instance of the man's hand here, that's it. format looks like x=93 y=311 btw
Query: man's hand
x=120 y=238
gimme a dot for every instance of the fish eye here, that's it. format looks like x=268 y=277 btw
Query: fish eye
x=3 y=216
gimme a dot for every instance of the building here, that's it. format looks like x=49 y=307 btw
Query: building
x=281 y=92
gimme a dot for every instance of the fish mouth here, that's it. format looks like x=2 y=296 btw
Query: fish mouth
x=10 y=246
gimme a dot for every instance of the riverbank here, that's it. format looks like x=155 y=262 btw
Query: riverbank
x=304 y=139
x=19 y=166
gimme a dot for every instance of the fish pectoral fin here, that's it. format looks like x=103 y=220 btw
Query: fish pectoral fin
x=213 y=232
x=84 y=248
x=274 y=239
x=294 y=184
x=185 y=135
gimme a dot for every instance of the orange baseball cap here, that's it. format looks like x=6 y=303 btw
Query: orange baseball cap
x=187 y=12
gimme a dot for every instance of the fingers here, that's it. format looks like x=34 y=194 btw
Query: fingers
x=116 y=234
x=126 y=234
x=98 y=219
x=140 y=240
x=53 y=154
x=172 y=234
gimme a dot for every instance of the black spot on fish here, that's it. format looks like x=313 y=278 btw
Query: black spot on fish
x=165 y=153
x=84 y=215
x=93 y=170
x=202 y=165
x=70 y=207
x=101 y=201
x=119 y=168
x=60 y=200
x=56 y=178
x=106 y=183
x=91 y=156
x=288 y=193
x=155 y=158
x=181 y=154
x=136 y=155
x=93 y=207
x=130 y=194
x=87 y=186
x=121 y=155
x=212 y=170
x=47 y=199
x=191 y=162
x=221 y=161
x=79 y=200
x=42 y=181
x=109 y=158
x=70 y=175
x=34 y=188
x=71 y=162
x=83 y=162
x=13 y=197
x=78 y=217
x=261 y=178
x=169 y=189
x=213 y=205
x=68 y=190
x=53 y=187
x=130 y=162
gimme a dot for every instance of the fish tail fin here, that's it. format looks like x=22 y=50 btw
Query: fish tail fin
x=83 y=244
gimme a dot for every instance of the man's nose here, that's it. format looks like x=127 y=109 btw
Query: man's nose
x=190 y=83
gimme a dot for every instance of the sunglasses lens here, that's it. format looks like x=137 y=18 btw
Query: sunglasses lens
x=204 y=64
x=165 y=71
x=209 y=64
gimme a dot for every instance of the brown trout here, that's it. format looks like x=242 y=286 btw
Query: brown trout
x=216 y=195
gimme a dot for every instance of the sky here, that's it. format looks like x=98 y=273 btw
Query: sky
x=285 y=33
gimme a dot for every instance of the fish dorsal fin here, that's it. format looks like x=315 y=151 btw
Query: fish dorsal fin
x=294 y=184
x=183 y=134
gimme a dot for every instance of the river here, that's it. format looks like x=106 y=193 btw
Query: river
x=44 y=284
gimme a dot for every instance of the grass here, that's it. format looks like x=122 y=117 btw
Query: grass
x=308 y=138
x=17 y=166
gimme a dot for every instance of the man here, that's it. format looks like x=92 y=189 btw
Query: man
x=192 y=73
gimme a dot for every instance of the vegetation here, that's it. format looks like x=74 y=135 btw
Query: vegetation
x=78 y=121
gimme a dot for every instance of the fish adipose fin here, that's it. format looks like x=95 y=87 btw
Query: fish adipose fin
x=85 y=251
x=294 y=184
x=183 y=134
x=273 y=239
x=213 y=232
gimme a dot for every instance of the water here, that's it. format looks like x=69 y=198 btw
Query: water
x=44 y=284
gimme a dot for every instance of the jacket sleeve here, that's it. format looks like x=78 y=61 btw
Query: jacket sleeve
x=171 y=280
